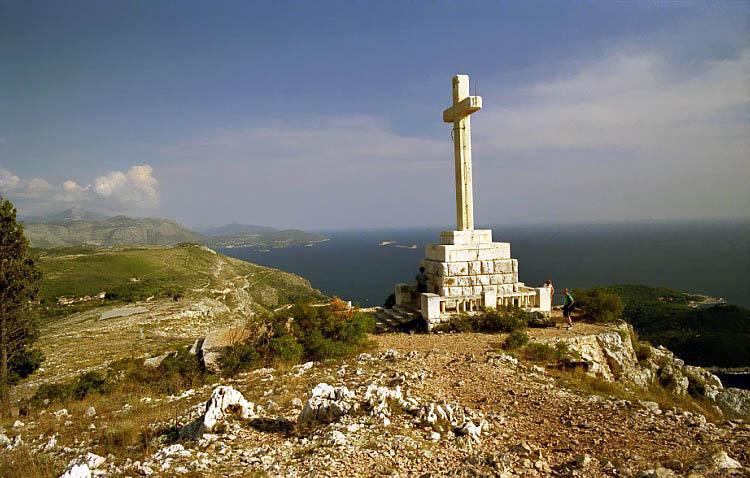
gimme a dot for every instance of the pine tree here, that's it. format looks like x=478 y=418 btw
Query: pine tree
x=19 y=288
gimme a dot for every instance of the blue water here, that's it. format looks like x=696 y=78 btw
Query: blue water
x=735 y=380
x=701 y=257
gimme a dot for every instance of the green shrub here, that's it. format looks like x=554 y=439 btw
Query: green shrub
x=503 y=319
x=541 y=352
x=314 y=333
x=89 y=383
x=135 y=291
x=515 y=340
x=463 y=323
x=23 y=363
x=238 y=357
x=598 y=304
x=175 y=373
x=54 y=392
x=286 y=348
x=77 y=389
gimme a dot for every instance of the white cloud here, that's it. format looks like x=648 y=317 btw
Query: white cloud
x=8 y=181
x=116 y=191
x=628 y=135
x=624 y=101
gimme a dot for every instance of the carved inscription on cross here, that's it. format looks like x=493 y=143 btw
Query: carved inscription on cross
x=458 y=114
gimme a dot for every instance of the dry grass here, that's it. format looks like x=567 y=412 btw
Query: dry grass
x=578 y=379
x=22 y=463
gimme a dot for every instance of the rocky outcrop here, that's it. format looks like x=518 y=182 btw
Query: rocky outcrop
x=327 y=403
x=612 y=356
x=82 y=466
x=734 y=400
x=215 y=341
x=223 y=402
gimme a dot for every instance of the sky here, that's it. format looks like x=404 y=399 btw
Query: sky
x=328 y=114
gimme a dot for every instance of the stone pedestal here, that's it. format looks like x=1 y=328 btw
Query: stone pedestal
x=468 y=272
x=468 y=263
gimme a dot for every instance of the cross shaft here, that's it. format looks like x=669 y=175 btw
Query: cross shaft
x=458 y=114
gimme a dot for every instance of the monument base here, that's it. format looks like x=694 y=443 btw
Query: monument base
x=468 y=272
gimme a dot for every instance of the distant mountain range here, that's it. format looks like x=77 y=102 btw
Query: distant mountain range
x=68 y=215
x=78 y=227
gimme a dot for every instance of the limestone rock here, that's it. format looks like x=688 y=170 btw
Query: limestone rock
x=327 y=403
x=471 y=430
x=336 y=438
x=90 y=412
x=81 y=467
x=154 y=362
x=224 y=401
x=377 y=401
x=734 y=401
x=657 y=473
x=652 y=407
x=540 y=319
x=717 y=461
x=215 y=341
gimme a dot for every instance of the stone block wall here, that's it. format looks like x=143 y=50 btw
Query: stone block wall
x=467 y=278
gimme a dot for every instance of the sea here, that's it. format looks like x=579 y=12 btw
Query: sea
x=704 y=257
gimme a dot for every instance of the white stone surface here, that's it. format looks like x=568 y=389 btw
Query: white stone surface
x=458 y=114
x=472 y=236
x=430 y=306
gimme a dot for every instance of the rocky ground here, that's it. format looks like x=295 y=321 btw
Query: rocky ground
x=415 y=405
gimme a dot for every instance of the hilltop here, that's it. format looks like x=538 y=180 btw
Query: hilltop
x=127 y=390
x=78 y=227
x=180 y=293
x=414 y=405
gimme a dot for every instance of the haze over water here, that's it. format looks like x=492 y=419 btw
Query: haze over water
x=701 y=257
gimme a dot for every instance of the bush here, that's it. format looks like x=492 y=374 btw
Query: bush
x=135 y=291
x=515 y=340
x=502 y=319
x=314 y=333
x=238 y=357
x=176 y=372
x=598 y=304
x=463 y=323
x=643 y=350
x=77 y=389
x=89 y=383
x=23 y=363
x=287 y=349
x=541 y=352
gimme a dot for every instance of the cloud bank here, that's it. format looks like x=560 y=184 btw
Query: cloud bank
x=133 y=190
x=631 y=135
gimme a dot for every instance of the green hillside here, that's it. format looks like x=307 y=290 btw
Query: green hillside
x=113 y=231
x=700 y=334
x=136 y=273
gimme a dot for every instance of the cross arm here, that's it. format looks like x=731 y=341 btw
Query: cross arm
x=465 y=107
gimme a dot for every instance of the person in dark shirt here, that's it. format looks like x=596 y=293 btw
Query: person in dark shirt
x=568 y=307
x=421 y=281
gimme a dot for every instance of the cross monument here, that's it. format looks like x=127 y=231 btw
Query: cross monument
x=467 y=271
x=458 y=114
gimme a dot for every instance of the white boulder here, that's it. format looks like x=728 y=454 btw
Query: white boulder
x=327 y=403
x=223 y=402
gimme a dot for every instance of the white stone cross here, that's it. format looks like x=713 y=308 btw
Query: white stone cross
x=458 y=114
